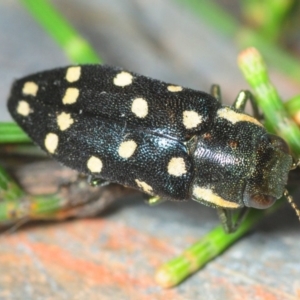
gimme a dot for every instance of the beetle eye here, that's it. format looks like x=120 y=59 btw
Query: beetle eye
x=261 y=201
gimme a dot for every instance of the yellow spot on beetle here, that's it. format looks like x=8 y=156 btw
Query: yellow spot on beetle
x=30 y=88
x=64 y=121
x=191 y=119
x=127 y=148
x=140 y=107
x=235 y=117
x=70 y=96
x=122 y=79
x=176 y=166
x=51 y=142
x=144 y=186
x=209 y=196
x=73 y=73
x=174 y=88
x=23 y=108
x=94 y=164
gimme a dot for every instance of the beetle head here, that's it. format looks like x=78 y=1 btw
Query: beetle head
x=267 y=182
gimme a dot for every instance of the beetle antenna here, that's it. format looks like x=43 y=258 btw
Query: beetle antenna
x=292 y=202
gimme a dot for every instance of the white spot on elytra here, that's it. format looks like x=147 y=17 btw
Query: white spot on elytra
x=73 y=73
x=51 y=142
x=70 y=96
x=23 y=108
x=64 y=121
x=191 y=119
x=140 y=107
x=122 y=79
x=235 y=117
x=144 y=186
x=94 y=164
x=176 y=166
x=209 y=196
x=30 y=88
x=127 y=148
x=174 y=88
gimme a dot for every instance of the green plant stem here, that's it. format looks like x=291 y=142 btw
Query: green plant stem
x=254 y=69
x=16 y=205
x=268 y=17
x=12 y=133
x=293 y=108
x=244 y=37
x=76 y=48
x=209 y=247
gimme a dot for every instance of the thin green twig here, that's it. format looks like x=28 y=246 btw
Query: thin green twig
x=200 y=253
x=75 y=47
x=254 y=69
x=267 y=17
x=292 y=106
x=244 y=37
x=16 y=205
x=12 y=133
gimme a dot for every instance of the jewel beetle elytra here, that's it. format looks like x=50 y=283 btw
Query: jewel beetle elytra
x=170 y=142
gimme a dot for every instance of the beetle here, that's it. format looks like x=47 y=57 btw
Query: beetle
x=168 y=141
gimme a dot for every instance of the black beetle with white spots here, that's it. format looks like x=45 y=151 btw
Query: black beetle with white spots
x=168 y=141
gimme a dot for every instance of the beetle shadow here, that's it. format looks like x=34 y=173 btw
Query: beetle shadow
x=283 y=220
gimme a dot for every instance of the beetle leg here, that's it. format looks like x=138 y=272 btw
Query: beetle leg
x=96 y=181
x=241 y=100
x=231 y=221
x=154 y=200
x=215 y=91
